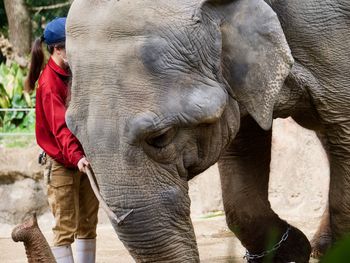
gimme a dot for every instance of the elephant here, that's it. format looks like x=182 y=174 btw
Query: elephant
x=161 y=90
x=37 y=248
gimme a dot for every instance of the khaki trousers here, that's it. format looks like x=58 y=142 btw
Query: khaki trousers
x=72 y=203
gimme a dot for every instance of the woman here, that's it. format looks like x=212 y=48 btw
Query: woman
x=70 y=196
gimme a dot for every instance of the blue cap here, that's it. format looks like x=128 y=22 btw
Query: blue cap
x=55 y=31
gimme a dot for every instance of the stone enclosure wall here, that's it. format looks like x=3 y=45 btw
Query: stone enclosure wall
x=299 y=175
x=298 y=182
x=21 y=189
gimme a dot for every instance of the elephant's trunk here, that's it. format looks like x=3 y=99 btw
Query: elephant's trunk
x=106 y=208
x=158 y=240
x=36 y=246
x=159 y=229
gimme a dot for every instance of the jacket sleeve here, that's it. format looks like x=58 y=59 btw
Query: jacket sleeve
x=55 y=111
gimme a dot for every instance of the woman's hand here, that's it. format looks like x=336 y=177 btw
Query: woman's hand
x=82 y=164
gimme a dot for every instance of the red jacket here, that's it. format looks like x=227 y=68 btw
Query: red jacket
x=51 y=130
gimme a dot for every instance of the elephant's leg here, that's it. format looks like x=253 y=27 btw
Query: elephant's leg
x=244 y=170
x=322 y=239
x=338 y=136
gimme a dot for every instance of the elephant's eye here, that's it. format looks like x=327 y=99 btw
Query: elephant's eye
x=162 y=138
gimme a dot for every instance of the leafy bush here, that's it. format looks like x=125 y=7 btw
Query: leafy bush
x=13 y=96
x=340 y=252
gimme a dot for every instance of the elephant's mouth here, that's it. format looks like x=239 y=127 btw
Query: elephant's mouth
x=111 y=215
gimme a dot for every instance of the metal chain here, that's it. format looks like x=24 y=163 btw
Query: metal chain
x=249 y=256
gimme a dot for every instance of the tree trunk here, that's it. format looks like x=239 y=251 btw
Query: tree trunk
x=20 y=27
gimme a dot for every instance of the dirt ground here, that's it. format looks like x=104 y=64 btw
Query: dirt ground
x=216 y=243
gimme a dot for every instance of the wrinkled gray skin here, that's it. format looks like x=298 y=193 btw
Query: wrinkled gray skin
x=163 y=89
x=37 y=248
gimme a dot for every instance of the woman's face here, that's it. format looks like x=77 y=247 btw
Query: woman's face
x=61 y=55
x=64 y=56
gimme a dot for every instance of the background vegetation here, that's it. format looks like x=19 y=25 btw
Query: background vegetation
x=3 y=18
x=12 y=96
x=14 y=49
x=40 y=18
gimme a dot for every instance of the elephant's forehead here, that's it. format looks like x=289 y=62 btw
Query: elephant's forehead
x=115 y=18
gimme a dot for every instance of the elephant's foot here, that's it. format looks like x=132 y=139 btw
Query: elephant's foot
x=20 y=232
x=320 y=243
x=37 y=248
x=295 y=248
x=322 y=239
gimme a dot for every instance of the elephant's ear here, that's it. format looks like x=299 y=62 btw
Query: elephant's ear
x=256 y=58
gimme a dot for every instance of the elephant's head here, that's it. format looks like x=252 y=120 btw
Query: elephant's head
x=154 y=101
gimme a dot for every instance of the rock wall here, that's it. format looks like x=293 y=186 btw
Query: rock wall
x=298 y=181
x=21 y=189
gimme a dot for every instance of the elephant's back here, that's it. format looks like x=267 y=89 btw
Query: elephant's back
x=318 y=33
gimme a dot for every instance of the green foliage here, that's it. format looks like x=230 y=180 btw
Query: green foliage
x=40 y=19
x=17 y=141
x=13 y=96
x=339 y=253
x=212 y=214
